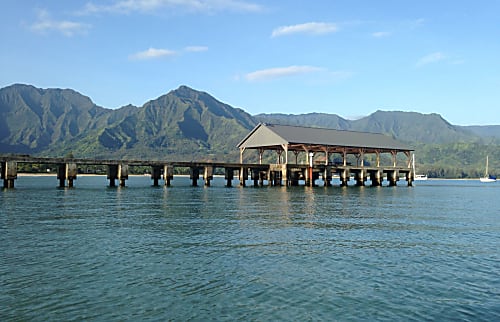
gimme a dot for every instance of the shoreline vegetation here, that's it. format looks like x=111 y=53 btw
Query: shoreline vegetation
x=54 y=174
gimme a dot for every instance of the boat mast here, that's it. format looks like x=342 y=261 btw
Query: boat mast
x=486 y=174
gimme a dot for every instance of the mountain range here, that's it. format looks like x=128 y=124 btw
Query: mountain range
x=186 y=124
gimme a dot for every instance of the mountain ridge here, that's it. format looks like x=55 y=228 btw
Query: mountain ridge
x=186 y=124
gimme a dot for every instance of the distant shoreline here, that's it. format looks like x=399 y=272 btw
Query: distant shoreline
x=54 y=174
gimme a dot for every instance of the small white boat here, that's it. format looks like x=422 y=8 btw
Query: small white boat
x=418 y=177
x=487 y=177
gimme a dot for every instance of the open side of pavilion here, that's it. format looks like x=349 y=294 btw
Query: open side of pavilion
x=309 y=145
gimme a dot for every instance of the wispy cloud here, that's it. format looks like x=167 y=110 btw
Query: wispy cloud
x=313 y=28
x=152 y=53
x=278 y=72
x=152 y=6
x=381 y=34
x=417 y=23
x=45 y=24
x=196 y=48
x=430 y=59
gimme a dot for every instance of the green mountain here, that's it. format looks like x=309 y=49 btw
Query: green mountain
x=186 y=124
x=181 y=124
x=405 y=126
x=329 y=121
x=485 y=131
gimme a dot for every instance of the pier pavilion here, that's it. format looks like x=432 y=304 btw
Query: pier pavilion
x=306 y=143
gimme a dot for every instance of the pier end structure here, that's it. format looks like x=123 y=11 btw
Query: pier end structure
x=314 y=148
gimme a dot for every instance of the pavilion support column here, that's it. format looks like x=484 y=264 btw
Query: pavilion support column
x=279 y=153
x=156 y=175
x=285 y=151
x=9 y=174
x=168 y=174
x=242 y=150
x=296 y=156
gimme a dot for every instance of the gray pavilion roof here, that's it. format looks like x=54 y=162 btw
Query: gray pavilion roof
x=271 y=135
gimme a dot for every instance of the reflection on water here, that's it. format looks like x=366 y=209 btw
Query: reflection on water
x=139 y=252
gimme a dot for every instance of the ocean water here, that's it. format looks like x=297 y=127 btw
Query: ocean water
x=428 y=252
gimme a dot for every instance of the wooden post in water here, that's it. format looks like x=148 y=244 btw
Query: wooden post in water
x=194 y=175
x=66 y=171
x=327 y=176
x=360 y=178
x=243 y=176
x=112 y=174
x=155 y=174
x=344 y=177
x=376 y=178
x=229 y=176
x=392 y=177
x=9 y=174
x=122 y=173
x=255 y=173
x=208 y=175
x=409 y=178
x=168 y=174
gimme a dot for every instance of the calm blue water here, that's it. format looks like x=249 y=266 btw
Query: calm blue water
x=429 y=252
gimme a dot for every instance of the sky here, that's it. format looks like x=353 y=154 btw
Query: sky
x=349 y=58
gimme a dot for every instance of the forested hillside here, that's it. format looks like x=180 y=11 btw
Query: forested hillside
x=186 y=124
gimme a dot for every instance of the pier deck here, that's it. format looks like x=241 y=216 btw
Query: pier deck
x=258 y=174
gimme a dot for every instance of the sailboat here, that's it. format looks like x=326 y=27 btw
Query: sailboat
x=418 y=177
x=487 y=177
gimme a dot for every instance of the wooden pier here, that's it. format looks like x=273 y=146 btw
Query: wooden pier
x=257 y=174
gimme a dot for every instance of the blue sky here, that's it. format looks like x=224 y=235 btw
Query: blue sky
x=349 y=58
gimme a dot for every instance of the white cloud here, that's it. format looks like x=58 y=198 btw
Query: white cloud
x=314 y=28
x=273 y=73
x=196 y=48
x=45 y=24
x=430 y=59
x=152 y=53
x=381 y=34
x=152 y=6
